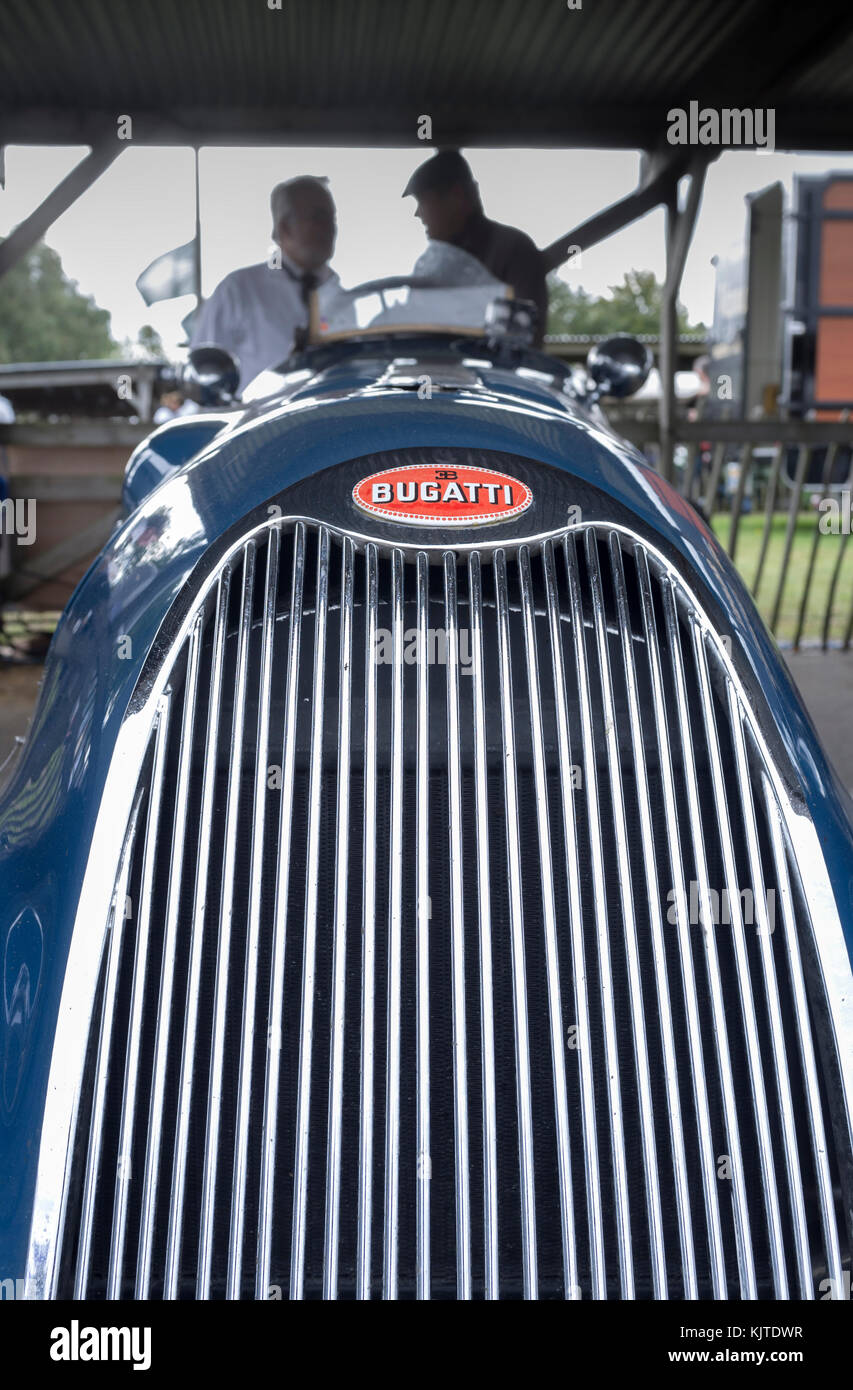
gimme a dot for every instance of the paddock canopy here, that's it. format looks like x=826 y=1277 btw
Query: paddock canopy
x=574 y=73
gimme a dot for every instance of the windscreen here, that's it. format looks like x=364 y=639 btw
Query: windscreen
x=447 y=289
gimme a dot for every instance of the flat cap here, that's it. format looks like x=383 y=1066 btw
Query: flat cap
x=443 y=170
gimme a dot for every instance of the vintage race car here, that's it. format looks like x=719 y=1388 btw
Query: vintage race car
x=422 y=878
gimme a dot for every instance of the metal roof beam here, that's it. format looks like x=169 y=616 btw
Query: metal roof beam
x=610 y=125
x=768 y=51
x=33 y=228
x=660 y=176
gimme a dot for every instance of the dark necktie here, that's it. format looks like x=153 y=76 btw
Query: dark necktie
x=308 y=281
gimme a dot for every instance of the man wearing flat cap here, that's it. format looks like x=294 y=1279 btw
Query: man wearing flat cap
x=449 y=206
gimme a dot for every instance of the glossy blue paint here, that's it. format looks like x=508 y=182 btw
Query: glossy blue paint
x=167 y=449
x=237 y=462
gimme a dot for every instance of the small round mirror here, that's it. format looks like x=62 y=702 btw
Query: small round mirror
x=211 y=376
x=619 y=366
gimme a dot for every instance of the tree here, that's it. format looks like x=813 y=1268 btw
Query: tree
x=632 y=307
x=148 y=346
x=45 y=318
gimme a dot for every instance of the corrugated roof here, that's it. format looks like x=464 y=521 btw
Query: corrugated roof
x=487 y=71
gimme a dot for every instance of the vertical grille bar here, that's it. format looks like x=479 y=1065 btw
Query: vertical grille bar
x=154 y=1138
x=817 y=1132
x=336 y=1064
x=739 y=1205
x=552 y=963
x=614 y=1090
x=226 y=912
x=629 y=920
x=368 y=958
x=771 y=992
x=275 y=1008
x=457 y=939
x=747 y=1006
x=108 y=1010
x=250 y=977
x=688 y=975
x=653 y=870
x=516 y=919
x=592 y=1173
x=306 y=1029
x=395 y=913
x=134 y=1028
x=484 y=921
x=193 y=1000
x=424 y=1161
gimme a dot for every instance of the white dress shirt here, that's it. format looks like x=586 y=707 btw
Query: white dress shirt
x=254 y=314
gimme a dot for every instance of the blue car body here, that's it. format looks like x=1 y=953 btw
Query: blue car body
x=187 y=485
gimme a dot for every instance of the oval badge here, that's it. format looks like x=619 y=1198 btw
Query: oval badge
x=423 y=495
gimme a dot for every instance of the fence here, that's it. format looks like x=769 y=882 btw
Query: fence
x=778 y=496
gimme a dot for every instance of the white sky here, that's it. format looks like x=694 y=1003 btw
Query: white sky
x=143 y=206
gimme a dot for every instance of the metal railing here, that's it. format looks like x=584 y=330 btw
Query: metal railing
x=776 y=492
x=778 y=496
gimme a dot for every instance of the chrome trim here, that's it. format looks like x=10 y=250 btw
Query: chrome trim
x=592 y=1172
x=250 y=976
x=223 y=945
x=723 y=1058
x=771 y=995
x=484 y=923
x=817 y=1133
x=549 y=913
x=395 y=910
x=457 y=939
x=747 y=1006
x=185 y=1084
x=167 y=972
x=368 y=917
x=134 y=1030
x=423 y=913
x=309 y=955
x=614 y=1087
x=792 y=829
x=674 y=1111
x=519 y=971
x=336 y=1067
x=626 y=896
x=93 y=1154
x=269 y=1127
x=688 y=975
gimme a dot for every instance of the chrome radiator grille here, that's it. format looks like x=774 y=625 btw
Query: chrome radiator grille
x=485 y=974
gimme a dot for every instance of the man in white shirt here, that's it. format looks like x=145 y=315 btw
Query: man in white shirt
x=255 y=313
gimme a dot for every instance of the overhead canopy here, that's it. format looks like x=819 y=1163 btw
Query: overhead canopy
x=499 y=72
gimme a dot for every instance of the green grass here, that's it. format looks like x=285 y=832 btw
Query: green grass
x=750 y=532
x=16 y=626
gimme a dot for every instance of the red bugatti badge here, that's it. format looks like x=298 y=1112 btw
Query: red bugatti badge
x=424 y=495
